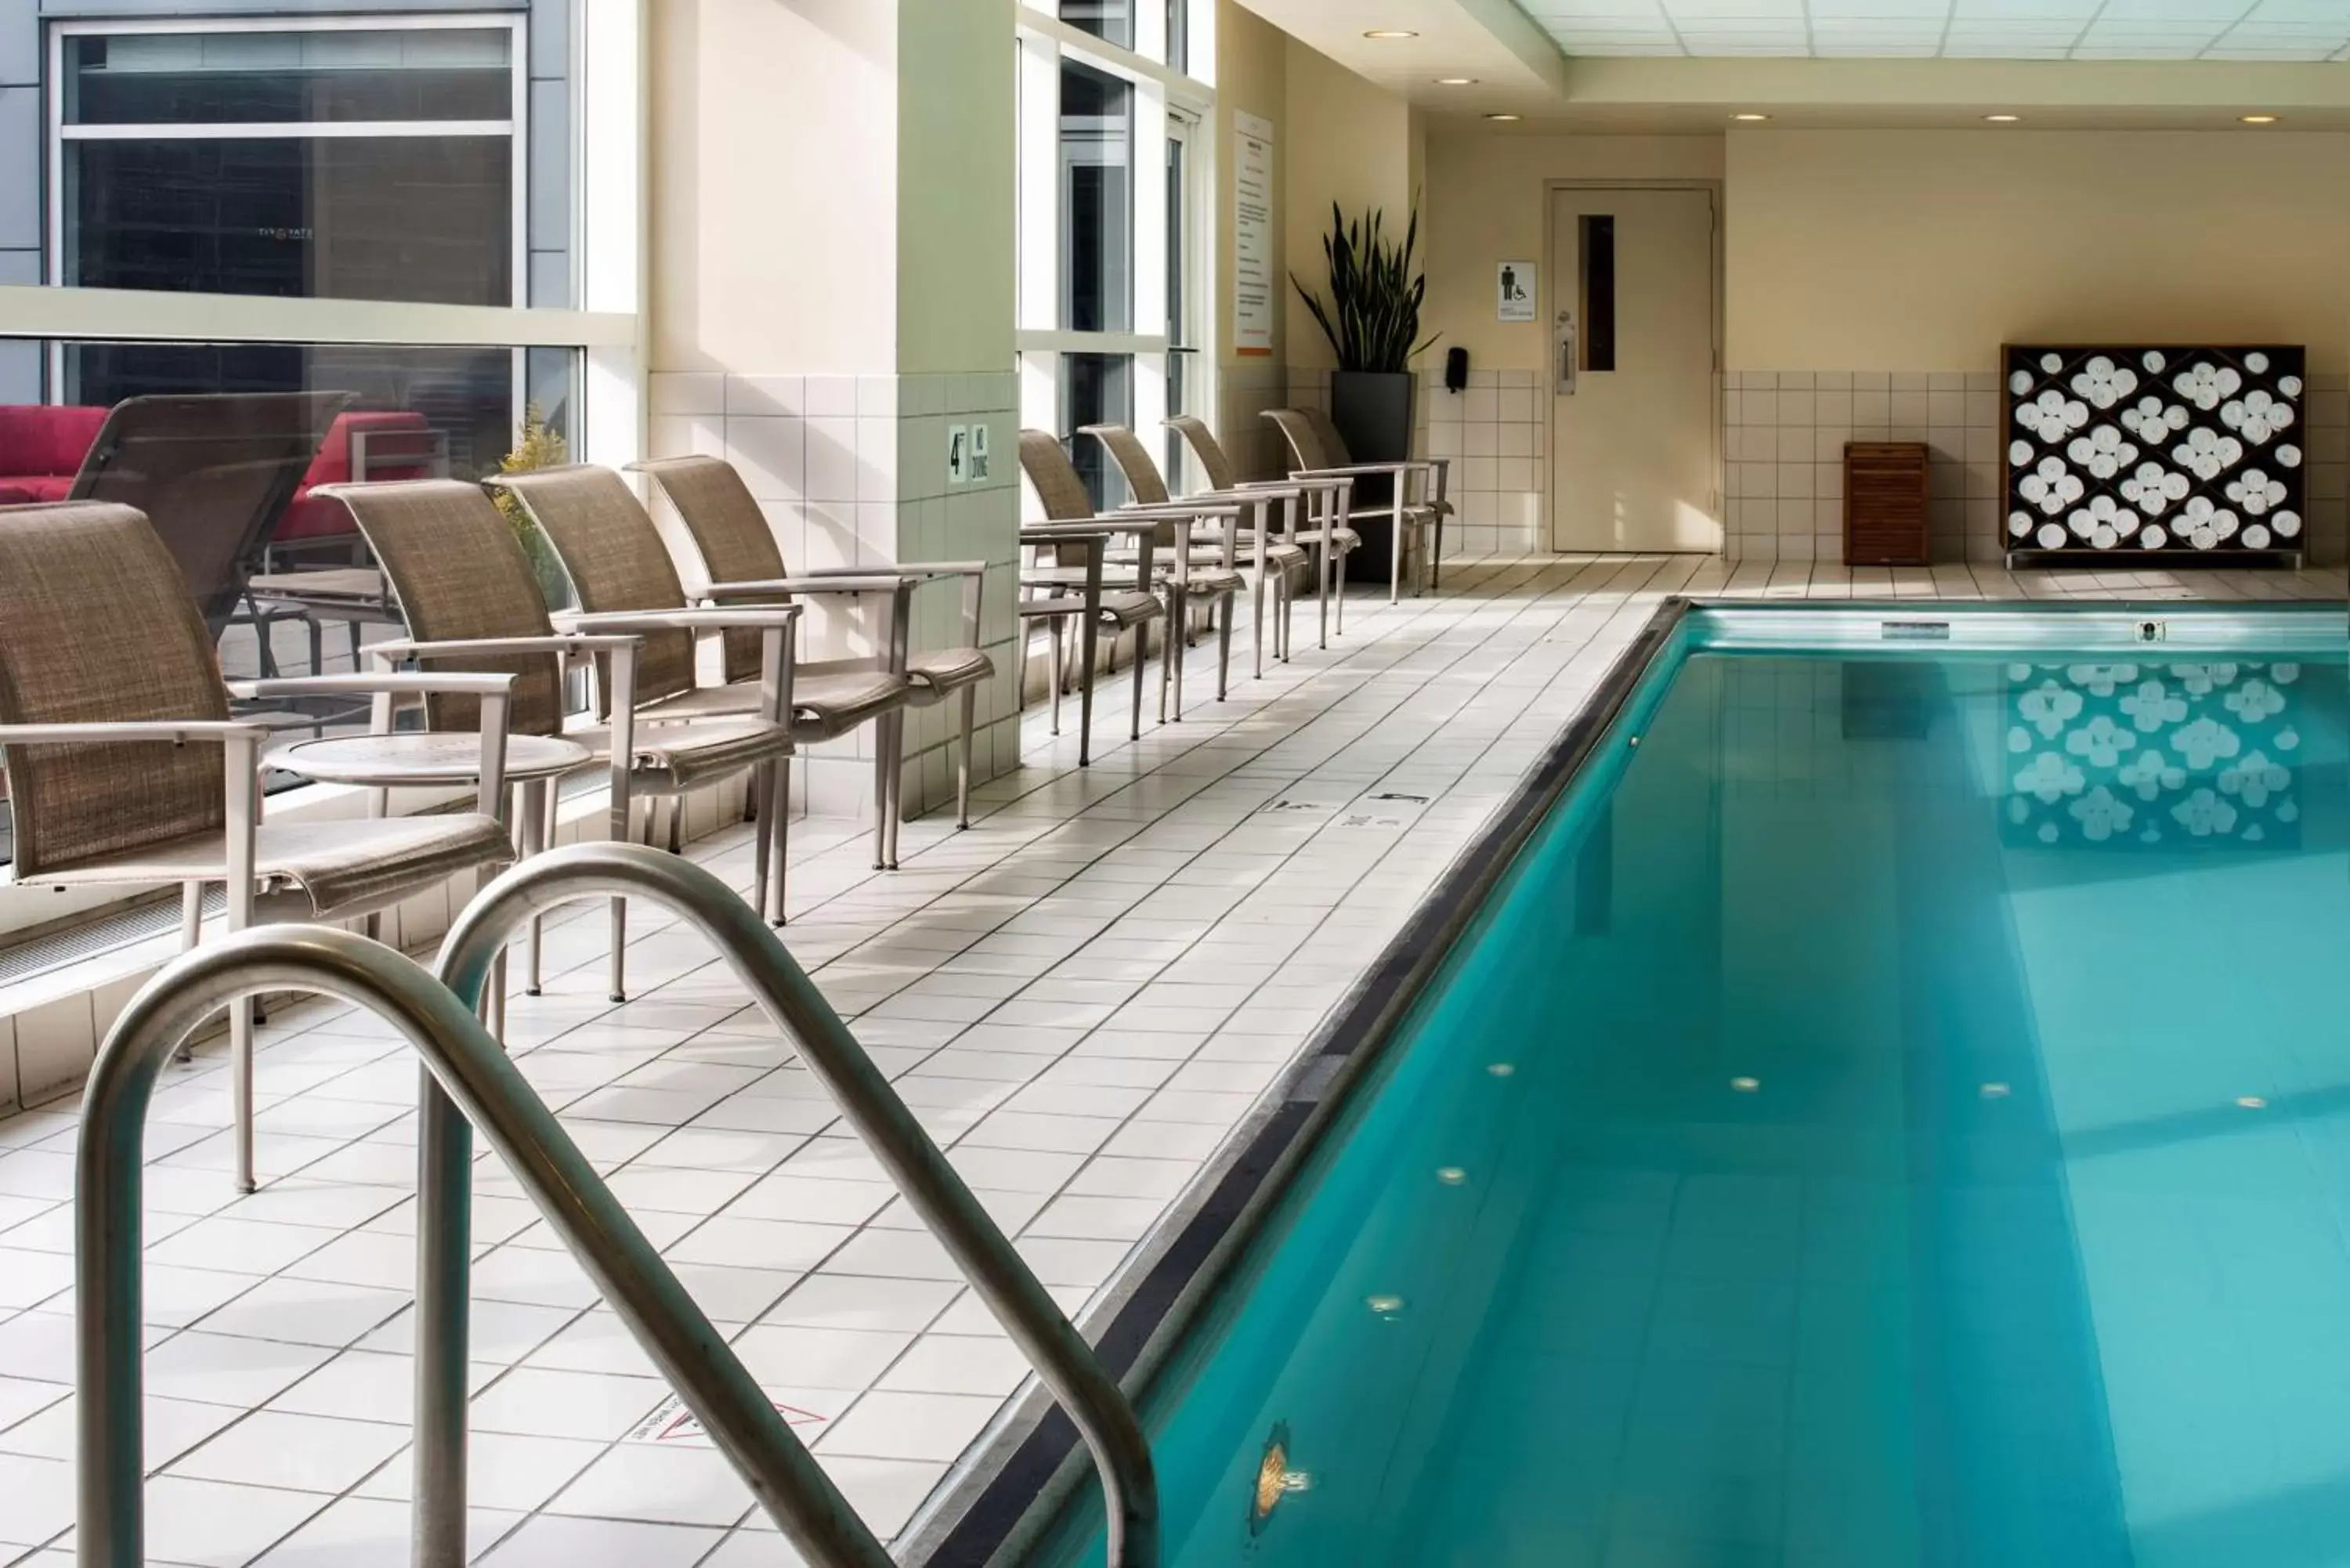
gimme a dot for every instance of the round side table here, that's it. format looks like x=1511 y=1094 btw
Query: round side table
x=412 y=759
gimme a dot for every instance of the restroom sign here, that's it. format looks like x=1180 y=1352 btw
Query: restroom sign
x=1513 y=291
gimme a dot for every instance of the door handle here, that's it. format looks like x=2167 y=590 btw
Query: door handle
x=1565 y=349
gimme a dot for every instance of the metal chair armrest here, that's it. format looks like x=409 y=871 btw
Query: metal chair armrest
x=179 y=732
x=397 y=682
x=865 y=580
x=695 y=619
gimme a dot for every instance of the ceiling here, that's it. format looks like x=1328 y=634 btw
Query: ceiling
x=2259 y=30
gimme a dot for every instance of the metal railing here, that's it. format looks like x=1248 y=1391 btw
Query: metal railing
x=468 y=1073
x=1062 y=1359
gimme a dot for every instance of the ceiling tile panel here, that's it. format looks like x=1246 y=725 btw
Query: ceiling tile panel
x=1968 y=29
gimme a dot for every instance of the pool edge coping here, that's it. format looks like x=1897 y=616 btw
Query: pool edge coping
x=1015 y=1480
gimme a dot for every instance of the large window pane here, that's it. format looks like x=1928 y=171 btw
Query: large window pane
x=310 y=163
x=1096 y=200
x=1110 y=19
x=409 y=218
x=1096 y=389
x=278 y=79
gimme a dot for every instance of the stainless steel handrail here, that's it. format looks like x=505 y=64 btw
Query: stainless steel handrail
x=462 y=1059
x=1060 y=1355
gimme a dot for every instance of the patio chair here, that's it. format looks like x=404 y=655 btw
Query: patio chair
x=212 y=473
x=1133 y=603
x=471 y=601
x=111 y=697
x=1326 y=533
x=1321 y=453
x=1277 y=560
x=747 y=565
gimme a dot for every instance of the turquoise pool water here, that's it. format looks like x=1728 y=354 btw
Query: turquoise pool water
x=1898 y=1114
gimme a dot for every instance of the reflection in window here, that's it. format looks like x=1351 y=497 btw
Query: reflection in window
x=1096 y=200
x=1096 y=389
x=1112 y=20
x=353 y=164
x=1179 y=303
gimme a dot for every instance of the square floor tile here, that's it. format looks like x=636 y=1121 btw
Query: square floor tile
x=295 y=1453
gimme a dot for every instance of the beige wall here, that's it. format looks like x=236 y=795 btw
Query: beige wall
x=1353 y=146
x=1903 y=249
x=1486 y=204
x=956 y=188
x=748 y=236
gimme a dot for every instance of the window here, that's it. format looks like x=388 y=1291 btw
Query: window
x=1110 y=227
x=1096 y=200
x=347 y=163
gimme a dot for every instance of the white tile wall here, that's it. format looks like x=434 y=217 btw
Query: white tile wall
x=852 y=472
x=1786 y=433
x=1495 y=432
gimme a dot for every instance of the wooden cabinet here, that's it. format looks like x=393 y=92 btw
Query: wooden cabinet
x=1885 y=504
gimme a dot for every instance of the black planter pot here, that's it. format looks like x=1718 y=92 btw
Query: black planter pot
x=1373 y=412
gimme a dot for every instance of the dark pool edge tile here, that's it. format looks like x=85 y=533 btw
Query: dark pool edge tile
x=1034 y=1461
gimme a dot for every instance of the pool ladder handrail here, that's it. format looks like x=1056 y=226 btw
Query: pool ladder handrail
x=463 y=1058
x=469 y=1081
x=1053 y=1348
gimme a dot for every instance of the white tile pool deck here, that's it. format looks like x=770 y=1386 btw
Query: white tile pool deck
x=1081 y=996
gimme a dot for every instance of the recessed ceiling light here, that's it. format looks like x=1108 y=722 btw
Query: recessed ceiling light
x=2258 y=119
x=1385 y=33
x=1504 y=118
x=1450 y=1175
x=1745 y=1085
x=1750 y=118
x=2251 y=1102
x=1456 y=81
x=2002 y=119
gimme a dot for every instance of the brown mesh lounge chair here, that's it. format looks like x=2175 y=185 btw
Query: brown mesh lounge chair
x=1132 y=602
x=1278 y=560
x=1326 y=535
x=212 y=473
x=1321 y=453
x=473 y=602
x=110 y=700
x=745 y=565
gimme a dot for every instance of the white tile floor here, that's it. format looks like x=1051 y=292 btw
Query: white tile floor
x=1081 y=997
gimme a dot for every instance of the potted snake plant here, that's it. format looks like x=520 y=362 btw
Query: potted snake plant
x=1372 y=320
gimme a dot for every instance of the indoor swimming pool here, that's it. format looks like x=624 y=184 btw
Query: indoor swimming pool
x=1895 y=1109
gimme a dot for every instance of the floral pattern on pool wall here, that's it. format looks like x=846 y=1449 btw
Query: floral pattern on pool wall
x=2127 y=451
x=2144 y=755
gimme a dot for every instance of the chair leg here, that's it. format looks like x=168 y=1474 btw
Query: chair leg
x=1179 y=637
x=896 y=816
x=1053 y=666
x=1340 y=587
x=542 y=826
x=1224 y=646
x=881 y=793
x=962 y=759
x=1256 y=622
x=1396 y=550
x=1141 y=634
x=192 y=929
x=1170 y=650
x=618 y=990
x=1436 y=556
x=778 y=827
x=762 y=789
x=240 y=1046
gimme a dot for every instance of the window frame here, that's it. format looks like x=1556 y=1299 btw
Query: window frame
x=516 y=127
x=1168 y=104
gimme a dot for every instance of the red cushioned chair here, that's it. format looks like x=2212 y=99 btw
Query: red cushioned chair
x=391 y=444
x=41 y=449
